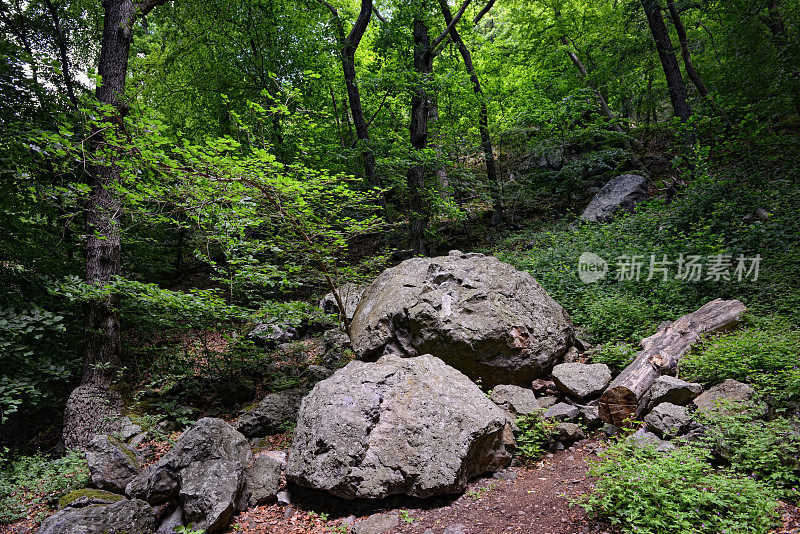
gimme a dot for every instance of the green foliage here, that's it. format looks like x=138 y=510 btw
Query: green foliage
x=765 y=450
x=532 y=436
x=619 y=317
x=28 y=483
x=641 y=490
x=188 y=529
x=34 y=370
x=766 y=357
x=616 y=355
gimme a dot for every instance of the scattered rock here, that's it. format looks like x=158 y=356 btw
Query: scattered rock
x=278 y=456
x=112 y=464
x=207 y=439
x=582 y=380
x=515 y=400
x=376 y=524
x=350 y=295
x=547 y=402
x=173 y=520
x=269 y=415
x=541 y=387
x=726 y=392
x=668 y=420
x=590 y=416
x=673 y=390
x=262 y=480
x=284 y=498
x=477 y=313
x=210 y=491
x=316 y=373
x=644 y=438
x=412 y=426
x=572 y=356
x=567 y=433
x=562 y=412
x=609 y=430
x=123 y=517
x=458 y=528
x=128 y=429
x=272 y=335
x=138 y=439
x=620 y=194
x=88 y=496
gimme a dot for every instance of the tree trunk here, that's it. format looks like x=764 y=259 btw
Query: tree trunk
x=415 y=177
x=687 y=61
x=483 y=114
x=93 y=407
x=629 y=393
x=672 y=71
x=61 y=41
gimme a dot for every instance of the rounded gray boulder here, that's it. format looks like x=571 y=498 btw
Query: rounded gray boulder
x=412 y=426
x=476 y=313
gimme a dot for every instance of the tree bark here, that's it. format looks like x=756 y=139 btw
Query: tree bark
x=629 y=393
x=483 y=113
x=672 y=72
x=415 y=177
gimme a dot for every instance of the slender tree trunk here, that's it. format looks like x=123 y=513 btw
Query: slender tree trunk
x=61 y=41
x=415 y=177
x=672 y=71
x=336 y=116
x=483 y=114
x=687 y=61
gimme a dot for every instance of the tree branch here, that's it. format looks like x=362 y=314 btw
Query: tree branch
x=484 y=11
x=436 y=42
x=147 y=6
x=378 y=15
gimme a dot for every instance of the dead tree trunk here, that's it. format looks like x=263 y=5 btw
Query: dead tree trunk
x=629 y=393
x=672 y=71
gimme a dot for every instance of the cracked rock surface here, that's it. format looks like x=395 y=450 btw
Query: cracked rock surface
x=476 y=313
x=412 y=426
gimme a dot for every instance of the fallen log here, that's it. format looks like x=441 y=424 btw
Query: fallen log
x=629 y=392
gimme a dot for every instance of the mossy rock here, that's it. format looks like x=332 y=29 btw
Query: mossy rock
x=88 y=496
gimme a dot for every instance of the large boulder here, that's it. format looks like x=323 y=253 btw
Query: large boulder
x=515 y=400
x=271 y=414
x=668 y=420
x=207 y=439
x=112 y=464
x=729 y=391
x=620 y=194
x=582 y=380
x=263 y=479
x=476 y=313
x=271 y=335
x=673 y=390
x=123 y=517
x=211 y=492
x=412 y=426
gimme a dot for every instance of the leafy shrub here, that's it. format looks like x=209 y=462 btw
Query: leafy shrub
x=27 y=483
x=532 y=436
x=619 y=317
x=765 y=450
x=767 y=358
x=641 y=490
x=618 y=355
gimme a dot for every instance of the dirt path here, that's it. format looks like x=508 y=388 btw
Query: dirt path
x=534 y=500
